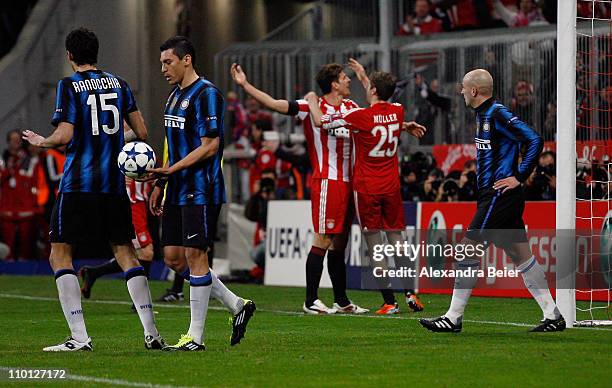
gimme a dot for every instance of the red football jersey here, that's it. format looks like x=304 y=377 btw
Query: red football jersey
x=376 y=131
x=137 y=191
x=329 y=156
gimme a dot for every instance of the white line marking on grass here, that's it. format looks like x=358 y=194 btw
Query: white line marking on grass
x=91 y=379
x=285 y=312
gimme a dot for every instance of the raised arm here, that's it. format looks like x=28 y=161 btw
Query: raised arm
x=239 y=77
x=360 y=73
x=313 y=106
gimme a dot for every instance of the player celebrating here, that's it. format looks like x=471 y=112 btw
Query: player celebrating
x=376 y=185
x=194 y=132
x=138 y=192
x=499 y=137
x=331 y=202
x=93 y=205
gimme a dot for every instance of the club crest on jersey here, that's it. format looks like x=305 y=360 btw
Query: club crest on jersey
x=486 y=127
x=330 y=223
x=184 y=104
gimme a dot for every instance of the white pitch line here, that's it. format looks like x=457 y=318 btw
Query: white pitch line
x=285 y=312
x=90 y=379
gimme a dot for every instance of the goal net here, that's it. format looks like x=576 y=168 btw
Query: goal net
x=584 y=36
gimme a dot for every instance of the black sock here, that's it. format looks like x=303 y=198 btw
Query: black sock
x=177 y=284
x=106 y=269
x=388 y=296
x=337 y=272
x=147 y=267
x=314 y=269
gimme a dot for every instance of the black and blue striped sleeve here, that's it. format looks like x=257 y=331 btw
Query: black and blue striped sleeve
x=208 y=108
x=515 y=129
x=65 y=104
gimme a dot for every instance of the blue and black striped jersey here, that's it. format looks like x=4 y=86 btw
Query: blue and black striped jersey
x=499 y=138
x=96 y=103
x=192 y=113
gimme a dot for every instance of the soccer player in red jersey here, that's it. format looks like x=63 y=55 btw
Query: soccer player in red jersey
x=331 y=198
x=376 y=187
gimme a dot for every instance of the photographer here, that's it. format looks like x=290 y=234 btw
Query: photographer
x=468 y=187
x=448 y=191
x=256 y=210
x=542 y=183
x=431 y=185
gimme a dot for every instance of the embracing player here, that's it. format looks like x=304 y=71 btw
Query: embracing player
x=331 y=197
x=93 y=204
x=499 y=214
x=376 y=187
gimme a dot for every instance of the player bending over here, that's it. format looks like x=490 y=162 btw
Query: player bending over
x=331 y=199
x=499 y=215
x=376 y=188
x=93 y=204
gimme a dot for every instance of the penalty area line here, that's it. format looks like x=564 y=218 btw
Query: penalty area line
x=284 y=312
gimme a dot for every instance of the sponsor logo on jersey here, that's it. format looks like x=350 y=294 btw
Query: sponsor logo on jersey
x=174 y=121
x=184 y=104
x=483 y=144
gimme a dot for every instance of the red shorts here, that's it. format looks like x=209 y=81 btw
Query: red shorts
x=139 y=219
x=332 y=206
x=380 y=211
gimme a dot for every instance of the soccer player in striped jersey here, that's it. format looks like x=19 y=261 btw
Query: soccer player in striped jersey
x=93 y=204
x=499 y=213
x=331 y=199
x=375 y=133
x=194 y=132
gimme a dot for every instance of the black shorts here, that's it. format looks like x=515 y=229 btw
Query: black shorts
x=192 y=226
x=92 y=218
x=499 y=218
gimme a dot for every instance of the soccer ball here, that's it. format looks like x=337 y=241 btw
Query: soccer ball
x=135 y=158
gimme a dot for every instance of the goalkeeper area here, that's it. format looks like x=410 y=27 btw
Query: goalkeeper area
x=283 y=346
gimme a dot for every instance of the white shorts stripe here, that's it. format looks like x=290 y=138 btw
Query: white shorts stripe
x=322 y=206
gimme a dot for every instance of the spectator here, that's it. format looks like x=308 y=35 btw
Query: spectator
x=236 y=117
x=550 y=122
x=421 y=22
x=437 y=106
x=522 y=103
x=528 y=14
x=296 y=155
x=541 y=184
x=19 y=176
x=465 y=14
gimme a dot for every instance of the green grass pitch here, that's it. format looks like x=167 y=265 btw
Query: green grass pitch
x=286 y=348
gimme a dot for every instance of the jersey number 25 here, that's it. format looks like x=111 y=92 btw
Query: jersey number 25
x=388 y=140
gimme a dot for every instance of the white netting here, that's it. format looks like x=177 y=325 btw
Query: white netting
x=593 y=170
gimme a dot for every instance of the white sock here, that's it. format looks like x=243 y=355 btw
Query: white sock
x=219 y=291
x=70 y=299
x=138 y=287
x=462 y=290
x=535 y=281
x=199 y=294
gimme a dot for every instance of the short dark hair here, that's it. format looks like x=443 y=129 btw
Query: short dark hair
x=83 y=45
x=384 y=84
x=327 y=74
x=180 y=46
